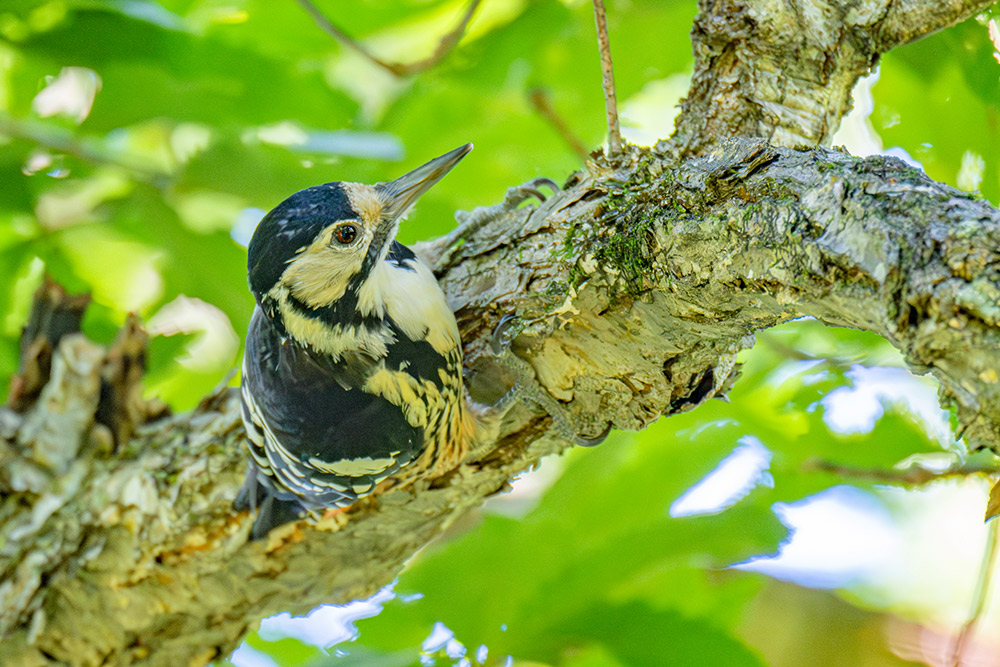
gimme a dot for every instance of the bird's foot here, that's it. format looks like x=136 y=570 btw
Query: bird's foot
x=439 y=253
x=470 y=221
x=528 y=389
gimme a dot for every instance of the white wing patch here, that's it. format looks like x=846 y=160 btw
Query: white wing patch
x=273 y=460
x=353 y=467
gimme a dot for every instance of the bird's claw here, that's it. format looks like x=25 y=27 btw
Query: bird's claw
x=527 y=387
x=469 y=221
x=441 y=253
x=593 y=442
x=498 y=344
x=519 y=193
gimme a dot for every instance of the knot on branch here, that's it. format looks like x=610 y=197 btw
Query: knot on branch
x=70 y=396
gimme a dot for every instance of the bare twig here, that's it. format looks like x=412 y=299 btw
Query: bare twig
x=329 y=28
x=540 y=101
x=913 y=475
x=445 y=46
x=610 y=102
x=790 y=352
x=982 y=592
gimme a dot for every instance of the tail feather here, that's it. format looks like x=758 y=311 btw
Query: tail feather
x=271 y=511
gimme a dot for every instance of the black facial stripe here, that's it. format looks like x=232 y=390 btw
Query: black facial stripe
x=344 y=311
x=375 y=248
x=399 y=254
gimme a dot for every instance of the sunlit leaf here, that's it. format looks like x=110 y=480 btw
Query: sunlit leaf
x=952 y=75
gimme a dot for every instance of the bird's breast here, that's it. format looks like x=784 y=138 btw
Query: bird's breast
x=409 y=295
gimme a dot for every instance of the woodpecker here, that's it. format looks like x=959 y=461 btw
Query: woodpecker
x=353 y=365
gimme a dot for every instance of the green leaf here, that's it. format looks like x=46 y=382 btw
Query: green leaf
x=937 y=99
x=290 y=652
x=150 y=70
x=637 y=635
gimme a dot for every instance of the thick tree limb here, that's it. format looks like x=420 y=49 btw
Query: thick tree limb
x=635 y=288
x=908 y=20
x=784 y=71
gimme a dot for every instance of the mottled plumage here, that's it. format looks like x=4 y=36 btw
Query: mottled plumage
x=353 y=366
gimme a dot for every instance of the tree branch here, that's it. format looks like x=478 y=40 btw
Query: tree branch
x=913 y=475
x=539 y=98
x=906 y=21
x=607 y=79
x=784 y=71
x=445 y=46
x=659 y=268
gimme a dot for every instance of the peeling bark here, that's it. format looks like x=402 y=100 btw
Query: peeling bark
x=784 y=71
x=634 y=287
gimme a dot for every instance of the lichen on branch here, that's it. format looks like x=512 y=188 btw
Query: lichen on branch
x=634 y=289
x=784 y=71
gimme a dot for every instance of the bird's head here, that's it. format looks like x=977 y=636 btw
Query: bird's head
x=323 y=242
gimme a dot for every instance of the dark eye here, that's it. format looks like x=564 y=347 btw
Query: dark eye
x=345 y=234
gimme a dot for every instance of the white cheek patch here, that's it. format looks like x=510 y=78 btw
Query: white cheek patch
x=319 y=274
x=371 y=294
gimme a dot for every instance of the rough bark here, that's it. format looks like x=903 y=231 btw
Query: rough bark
x=634 y=288
x=784 y=71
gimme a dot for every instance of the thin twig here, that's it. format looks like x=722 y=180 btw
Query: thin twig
x=986 y=567
x=445 y=46
x=913 y=475
x=329 y=28
x=540 y=101
x=610 y=101
x=795 y=354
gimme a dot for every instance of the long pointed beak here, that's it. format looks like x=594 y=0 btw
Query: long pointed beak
x=399 y=195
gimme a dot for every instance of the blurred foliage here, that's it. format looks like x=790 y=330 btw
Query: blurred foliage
x=939 y=100
x=139 y=138
x=603 y=572
x=205 y=111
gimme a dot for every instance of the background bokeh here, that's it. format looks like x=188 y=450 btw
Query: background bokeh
x=141 y=141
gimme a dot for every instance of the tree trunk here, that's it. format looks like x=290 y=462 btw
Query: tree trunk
x=633 y=289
